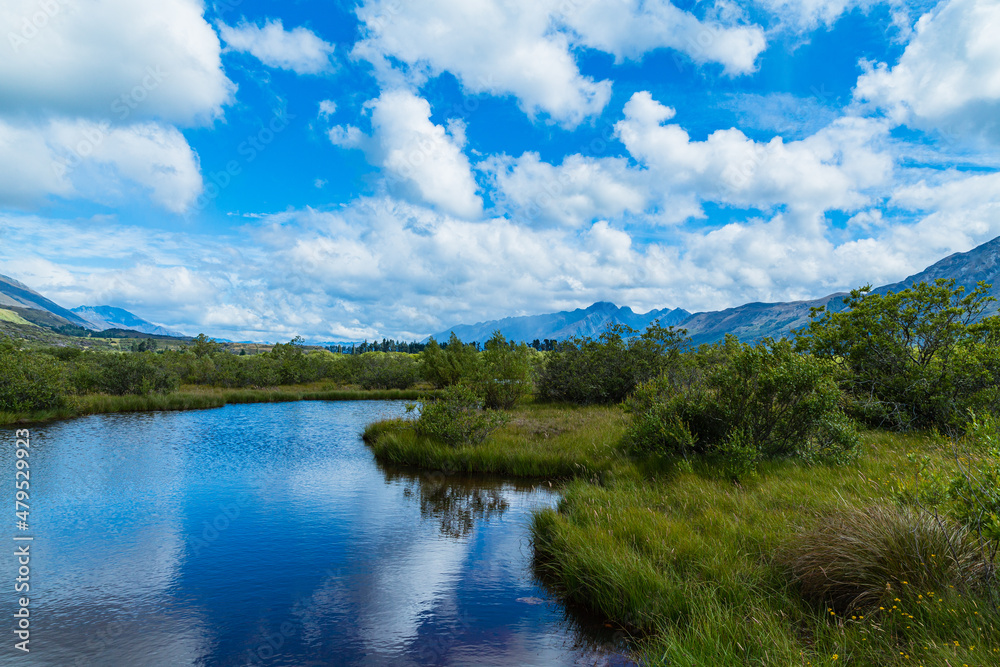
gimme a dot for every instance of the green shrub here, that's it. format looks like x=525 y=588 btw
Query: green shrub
x=608 y=369
x=444 y=366
x=29 y=381
x=504 y=372
x=384 y=370
x=919 y=358
x=136 y=373
x=457 y=417
x=765 y=401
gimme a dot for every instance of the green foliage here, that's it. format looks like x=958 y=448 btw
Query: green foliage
x=457 y=417
x=136 y=373
x=384 y=370
x=29 y=382
x=919 y=358
x=204 y=346
x=504 y=372
x=608 y=369
x=765 y=402
x=449 y=365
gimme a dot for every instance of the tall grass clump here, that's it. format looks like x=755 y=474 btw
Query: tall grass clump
x=857 y=560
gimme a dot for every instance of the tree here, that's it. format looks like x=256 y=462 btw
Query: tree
x=919 y=358
x=505 y=372
x=449 y=365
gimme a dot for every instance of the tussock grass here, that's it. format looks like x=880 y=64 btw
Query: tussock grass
x=859 y=559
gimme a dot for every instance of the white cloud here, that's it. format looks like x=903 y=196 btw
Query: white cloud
x=299 y=50
x=831 y=169
x=492 y=47
x=94 y=59
x=426 y=159
x=96 y=161
x=104 y=84
x=327 y=108
x=571 y=194
x=632 y=28
x=525 y=47
x=948 y=78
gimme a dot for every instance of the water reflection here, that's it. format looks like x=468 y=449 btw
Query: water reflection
x=266 y=535
x=456 y=503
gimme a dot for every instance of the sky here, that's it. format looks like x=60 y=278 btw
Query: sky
x=389 y=168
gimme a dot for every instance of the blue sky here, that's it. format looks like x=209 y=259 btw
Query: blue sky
x=348 y=170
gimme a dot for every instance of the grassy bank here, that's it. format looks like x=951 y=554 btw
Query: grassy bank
x=202 y=398
x=696 y=568
x=542 y=441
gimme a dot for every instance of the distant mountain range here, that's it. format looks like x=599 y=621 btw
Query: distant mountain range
x=580 y=322
x=750 y=322
x=19 y=304
x=109 y=317
x=29 y=305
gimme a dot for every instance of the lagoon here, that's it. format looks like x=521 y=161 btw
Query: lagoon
x=267 y=534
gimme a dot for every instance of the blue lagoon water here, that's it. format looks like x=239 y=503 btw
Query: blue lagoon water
x=268 y=535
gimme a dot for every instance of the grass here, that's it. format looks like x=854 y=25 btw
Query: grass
x=701 y=571
x=13 y=318
x=541 y=441
x=202 y=398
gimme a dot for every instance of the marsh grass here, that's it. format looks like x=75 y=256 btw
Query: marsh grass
x=699 y=571
x=540 y=441
x=695 y=567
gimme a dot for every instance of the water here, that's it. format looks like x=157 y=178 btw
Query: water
x=268 y=535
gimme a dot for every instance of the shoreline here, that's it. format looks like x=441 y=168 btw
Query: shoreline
x=203 y=399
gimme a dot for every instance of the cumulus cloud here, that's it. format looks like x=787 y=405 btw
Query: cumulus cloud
x=500 y=48
x=96 y=161
x=427 y=159
x=299 y=50
x=524 y=47
x=571 y=194
x=105 y=84
x=631 y=28
x=831 y=169
x=948 y=78
x=85 y=56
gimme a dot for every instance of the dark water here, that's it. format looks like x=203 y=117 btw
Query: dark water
x=266 y=534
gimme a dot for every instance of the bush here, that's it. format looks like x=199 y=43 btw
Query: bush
x=136 y=373
x=504 y=373
x=29 y=382
x=384 y=370
x=608 y=369
x=920 y=358
x=765 y=401
x=445 y=366
x=859 y=559
x=458 y=418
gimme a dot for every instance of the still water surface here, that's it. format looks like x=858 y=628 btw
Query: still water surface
x=268 y=535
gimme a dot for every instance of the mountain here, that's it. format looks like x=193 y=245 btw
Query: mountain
x=750 y=322
x=28 y=304
x=590 y=321
x=754 y=321
x=109 y=317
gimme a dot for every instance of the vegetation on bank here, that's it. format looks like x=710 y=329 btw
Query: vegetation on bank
x=733 y=513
